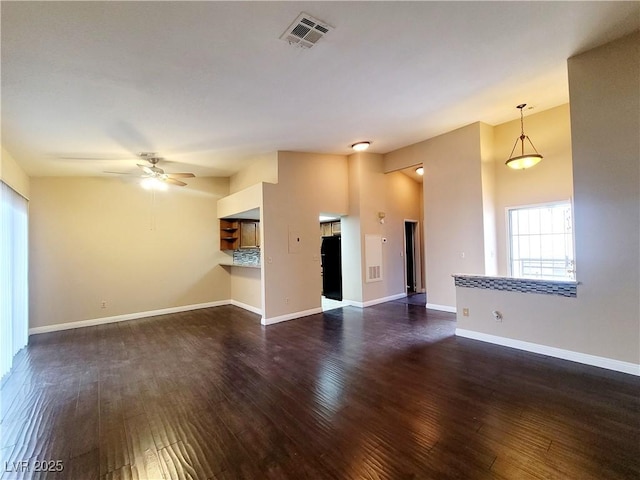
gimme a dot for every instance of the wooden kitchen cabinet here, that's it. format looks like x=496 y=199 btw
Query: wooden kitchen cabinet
x=325 y=229
x=235 y=234
x=329 y=229
x=229 y=234
x=249 y=234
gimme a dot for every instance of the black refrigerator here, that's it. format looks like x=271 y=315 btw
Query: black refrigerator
x=331 y=267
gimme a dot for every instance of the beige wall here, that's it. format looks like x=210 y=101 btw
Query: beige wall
x=423 y=252
x=307 y=185
x=454 y=230
x=409 y=156
x=352 y=253
x=551 y=180
x=371 y=199
x=605 y=101
x=467 y=189
x=264 y=169
x=604 y=319
x=453 y=211
x=241 y=201
x=488 y=179
x=355 y=187
x=13 y=175
x=246 y=286
x=95 y=239
x=372 y=191
x=403 y=196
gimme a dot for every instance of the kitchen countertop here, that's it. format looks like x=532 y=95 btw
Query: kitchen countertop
x=240 y=265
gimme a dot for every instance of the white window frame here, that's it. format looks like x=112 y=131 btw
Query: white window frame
x=571 y=275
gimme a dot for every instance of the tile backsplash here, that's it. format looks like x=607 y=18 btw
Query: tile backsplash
x=522 y=285
x=246 y=256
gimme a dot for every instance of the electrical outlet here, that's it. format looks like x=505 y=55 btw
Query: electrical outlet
x=103 y=304
x=286 y=300
x=465 y=312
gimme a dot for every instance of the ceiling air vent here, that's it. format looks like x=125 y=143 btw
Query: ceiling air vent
x=305 y=31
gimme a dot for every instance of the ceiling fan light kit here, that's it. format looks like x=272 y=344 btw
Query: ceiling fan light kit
x=152 y=183
x=154 y=178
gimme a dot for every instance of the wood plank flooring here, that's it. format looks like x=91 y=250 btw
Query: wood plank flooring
x=387 y=392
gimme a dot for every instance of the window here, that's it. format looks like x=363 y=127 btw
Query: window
x=541 y=242
x=14 y=318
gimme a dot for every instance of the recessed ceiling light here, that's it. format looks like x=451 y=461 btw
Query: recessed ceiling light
x=420 y=171
x=360 y=146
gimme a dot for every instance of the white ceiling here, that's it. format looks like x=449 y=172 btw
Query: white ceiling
x=209 y=85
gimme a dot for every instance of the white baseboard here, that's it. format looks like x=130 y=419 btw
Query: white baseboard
x=442 y=308
x=125 y=317
x=376 y=301
x=585 y=358
x=290 y=316
x=246 y=306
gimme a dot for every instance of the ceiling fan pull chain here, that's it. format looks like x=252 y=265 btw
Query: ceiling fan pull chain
x=152 y=213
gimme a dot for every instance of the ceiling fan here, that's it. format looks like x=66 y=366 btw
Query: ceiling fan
x=155 y=177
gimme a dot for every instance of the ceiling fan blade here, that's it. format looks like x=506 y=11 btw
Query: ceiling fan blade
x=173 y=181
x=180 y=175
x=146 y=169
x=99 y=158
x=117 y=173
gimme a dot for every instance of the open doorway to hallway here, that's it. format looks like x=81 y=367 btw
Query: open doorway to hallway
x=411 y=255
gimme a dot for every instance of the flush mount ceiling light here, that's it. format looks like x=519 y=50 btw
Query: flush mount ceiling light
x=420 y=171
x=523 y=160
x=360 y=146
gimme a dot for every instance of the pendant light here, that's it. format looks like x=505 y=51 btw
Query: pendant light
x=523 y=160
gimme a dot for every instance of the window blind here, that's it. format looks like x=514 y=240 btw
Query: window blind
x=14 y=286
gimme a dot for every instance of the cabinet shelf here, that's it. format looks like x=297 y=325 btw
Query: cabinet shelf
x=229 y=239
x=235 y=234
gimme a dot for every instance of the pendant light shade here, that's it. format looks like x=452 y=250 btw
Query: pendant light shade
x=523 y=160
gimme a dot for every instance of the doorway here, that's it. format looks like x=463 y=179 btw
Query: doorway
x=410 y=255
x=331 y=262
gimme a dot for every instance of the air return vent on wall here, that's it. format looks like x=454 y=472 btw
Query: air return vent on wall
x=305 y=31
x=373 y=258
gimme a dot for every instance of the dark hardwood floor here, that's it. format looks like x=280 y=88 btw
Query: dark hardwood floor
x=384 y=392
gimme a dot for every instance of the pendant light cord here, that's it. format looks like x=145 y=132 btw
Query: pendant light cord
x=522 y=136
